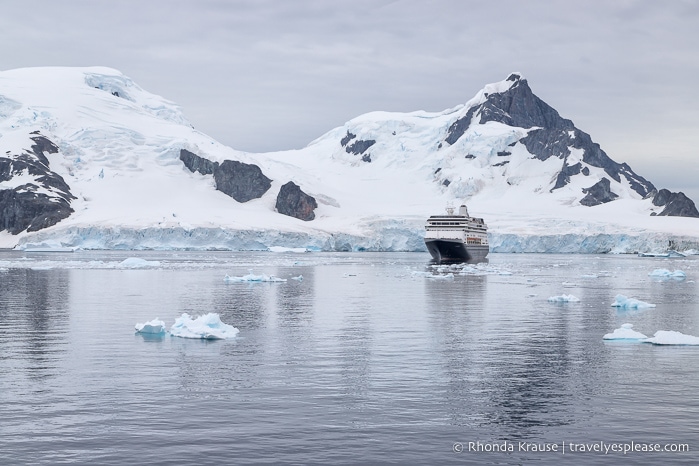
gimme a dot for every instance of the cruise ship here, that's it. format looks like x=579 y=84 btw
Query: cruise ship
x=456 y=237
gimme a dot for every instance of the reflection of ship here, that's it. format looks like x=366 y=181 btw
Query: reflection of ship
x=456 y=237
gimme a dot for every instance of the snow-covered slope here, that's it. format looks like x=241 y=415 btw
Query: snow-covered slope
x=135 y=174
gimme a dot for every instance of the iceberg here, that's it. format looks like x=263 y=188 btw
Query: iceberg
x=671 y=337
x=205 y=327
x=565 y=298
x=153 y=327
x=622 y=302
x=665 y=274
x=625 y=332
x=252 y=278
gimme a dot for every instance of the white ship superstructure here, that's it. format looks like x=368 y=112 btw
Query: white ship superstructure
x=456 y=236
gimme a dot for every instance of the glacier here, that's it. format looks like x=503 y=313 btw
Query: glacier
x=375 y=179
x=388 y=236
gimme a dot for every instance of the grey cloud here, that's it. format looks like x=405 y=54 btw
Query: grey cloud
x=271 y=75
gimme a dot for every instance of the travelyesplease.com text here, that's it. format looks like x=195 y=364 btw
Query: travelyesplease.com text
x=564 y=447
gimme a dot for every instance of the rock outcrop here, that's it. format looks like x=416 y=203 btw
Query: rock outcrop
x=293 y=202
x=598 y=193
x=676 y=204
x=358 y=147
x=241 y=181
x=34 y=197
x=196 y=163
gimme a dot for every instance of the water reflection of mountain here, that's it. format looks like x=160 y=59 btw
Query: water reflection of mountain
x=509 y=366
x=34 y=317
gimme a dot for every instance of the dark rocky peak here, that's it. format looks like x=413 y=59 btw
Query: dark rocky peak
x=518 y=106
x=550 y=136
x=293 y=202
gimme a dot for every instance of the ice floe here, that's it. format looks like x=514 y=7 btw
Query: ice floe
x=625 y=332
x=205 y=327
x=665 y=274
x=155 y=326
x=434 y=276
x=661 y=337
x=565 y=298
x=623 y=302
x=671 y=337
x=252 y=278
x=285 y=249
x=137 y=263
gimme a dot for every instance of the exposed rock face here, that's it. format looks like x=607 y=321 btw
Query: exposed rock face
x=348 y=137
x=293 y=202
x=599 y=193
x=676 y=204
x=196 y=163
x=241 y=181
x=40 y=202
x=459 y=127
x=359 y=146
x=565 y=174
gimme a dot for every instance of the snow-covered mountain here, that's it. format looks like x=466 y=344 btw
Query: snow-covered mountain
x=92 y=160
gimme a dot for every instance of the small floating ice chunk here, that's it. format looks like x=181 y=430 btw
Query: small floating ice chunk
x=137 y=262
x=154 y=326
x=251 y=277
x=666 y=274
x=206 y=327
x=671 y=337
x=622 y=302
x=565 y=298
x=626 y=332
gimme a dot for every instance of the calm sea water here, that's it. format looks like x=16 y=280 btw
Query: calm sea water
x=364 y=361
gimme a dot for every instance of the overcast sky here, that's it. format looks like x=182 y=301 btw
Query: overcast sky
x=273 y=75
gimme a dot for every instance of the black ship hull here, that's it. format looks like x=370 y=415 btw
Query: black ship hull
x=444 y=250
